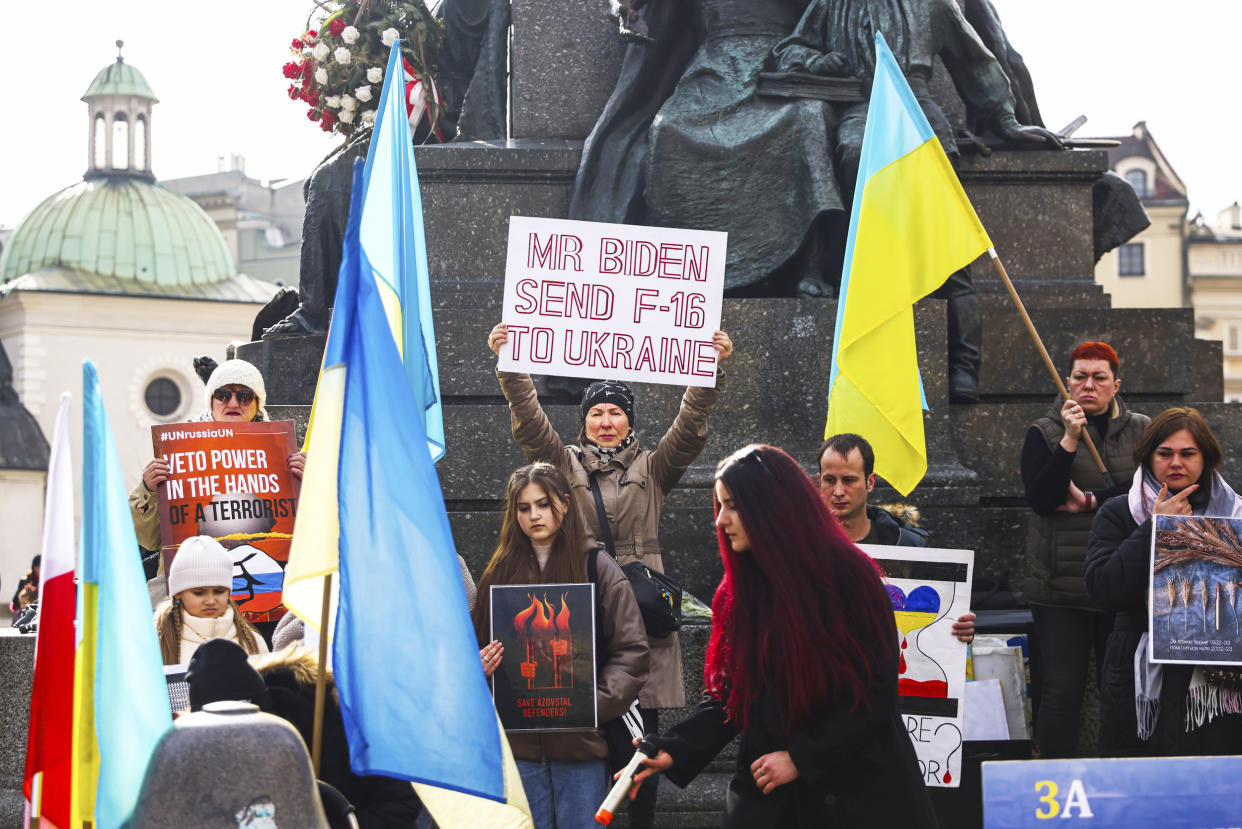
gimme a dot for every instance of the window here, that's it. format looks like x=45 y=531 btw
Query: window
x=140 y=143
x=1130 y=258
x=1138 y=180
x=1233 y=338
x=163 y=397
x=101 y=142
x=120 y=142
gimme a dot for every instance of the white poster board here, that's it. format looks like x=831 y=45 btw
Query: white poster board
x=929 y=589
x=623 y=302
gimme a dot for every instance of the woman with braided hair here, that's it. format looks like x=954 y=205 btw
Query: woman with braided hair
x=199 y=608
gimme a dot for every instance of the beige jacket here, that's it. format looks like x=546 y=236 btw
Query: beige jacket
x=633 y=487
x=619 y=679
x=144 y=506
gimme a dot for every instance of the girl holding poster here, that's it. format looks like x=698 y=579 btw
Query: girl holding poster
x=802 y=664
x=606 y=452
x=542 y=541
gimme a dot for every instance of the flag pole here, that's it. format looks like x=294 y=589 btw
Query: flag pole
x=321 y=676
x=1052 y=369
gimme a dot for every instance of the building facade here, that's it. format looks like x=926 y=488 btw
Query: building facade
x=1149 y=271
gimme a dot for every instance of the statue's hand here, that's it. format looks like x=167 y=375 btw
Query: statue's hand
x=632 y=27
x=832 y=65
x=1009 y=129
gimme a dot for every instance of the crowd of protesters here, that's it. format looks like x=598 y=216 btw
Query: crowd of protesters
x=801 y=662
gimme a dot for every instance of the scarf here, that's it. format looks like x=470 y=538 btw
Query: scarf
x=606 y=455
x=1203 y=700
x=195 y=631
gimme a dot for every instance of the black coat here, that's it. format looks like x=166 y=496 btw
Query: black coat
x=380 y=802
x=1117 y=576
x=855 y=768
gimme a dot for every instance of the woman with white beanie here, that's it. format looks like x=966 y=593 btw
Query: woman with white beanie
x=235 y=393
x=199 y=583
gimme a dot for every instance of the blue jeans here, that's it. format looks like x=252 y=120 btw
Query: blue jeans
x=563 y=794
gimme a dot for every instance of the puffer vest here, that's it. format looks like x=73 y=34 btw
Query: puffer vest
x=1057 y=545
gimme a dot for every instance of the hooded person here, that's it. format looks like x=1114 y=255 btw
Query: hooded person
x=283 y=684
x=632 y=483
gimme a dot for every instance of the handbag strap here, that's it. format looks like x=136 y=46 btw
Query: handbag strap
x=605 y=529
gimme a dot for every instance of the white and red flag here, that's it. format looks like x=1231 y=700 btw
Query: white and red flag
x=49 y=748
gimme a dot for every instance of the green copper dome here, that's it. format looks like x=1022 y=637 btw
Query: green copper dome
x=122 y=227
x=119 y=79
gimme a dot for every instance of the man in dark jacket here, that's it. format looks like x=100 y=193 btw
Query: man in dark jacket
x=846 y=477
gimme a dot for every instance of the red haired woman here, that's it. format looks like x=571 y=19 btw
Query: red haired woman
x=1065 y=489
x=802 y=663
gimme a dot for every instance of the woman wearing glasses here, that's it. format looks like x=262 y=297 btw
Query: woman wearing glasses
x=235 y=394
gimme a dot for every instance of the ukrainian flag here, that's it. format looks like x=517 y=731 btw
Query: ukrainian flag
x=411 y=687
x=120 y=700
x=911 y=227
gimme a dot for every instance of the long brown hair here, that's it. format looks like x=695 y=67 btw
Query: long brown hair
x=168 y=625
x=514 y=559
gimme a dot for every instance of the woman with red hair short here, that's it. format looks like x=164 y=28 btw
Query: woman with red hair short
x=1065 y=488
x=802 y=663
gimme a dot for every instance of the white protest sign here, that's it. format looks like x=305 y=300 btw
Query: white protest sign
x=624 y=302
x=929 y=589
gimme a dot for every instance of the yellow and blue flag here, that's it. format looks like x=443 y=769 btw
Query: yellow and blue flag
x=392 y=234
x=911 y=227
x=413 y=696
x=120 y=700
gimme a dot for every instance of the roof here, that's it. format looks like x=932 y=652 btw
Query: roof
x=1167 y=186
x=119 y=78
x=237 y=288
x=22 y=444
x=122 y=227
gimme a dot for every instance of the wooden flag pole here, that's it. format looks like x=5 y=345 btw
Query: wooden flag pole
x=1052 y=369
x=321 y=676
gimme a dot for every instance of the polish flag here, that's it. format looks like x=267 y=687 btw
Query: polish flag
x=50 y=739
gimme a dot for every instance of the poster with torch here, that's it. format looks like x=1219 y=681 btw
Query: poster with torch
x=232 y=482
x=546 y=680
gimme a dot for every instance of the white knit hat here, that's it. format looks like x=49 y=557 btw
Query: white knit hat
x=201 y=561
x=238 y=373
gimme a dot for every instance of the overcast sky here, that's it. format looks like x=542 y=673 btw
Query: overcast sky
x=221 y=91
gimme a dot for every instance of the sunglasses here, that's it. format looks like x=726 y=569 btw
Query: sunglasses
x=244 y=396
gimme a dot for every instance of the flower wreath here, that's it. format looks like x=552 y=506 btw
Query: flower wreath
x=338 y=65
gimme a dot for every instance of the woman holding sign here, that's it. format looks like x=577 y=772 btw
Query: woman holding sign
x=632 y=483
x=1145 y=707
x=235 y=393
x=802 y=664
x=542 y=541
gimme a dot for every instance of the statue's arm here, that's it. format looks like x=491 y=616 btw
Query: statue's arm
x=806 y=49
x=978 y=76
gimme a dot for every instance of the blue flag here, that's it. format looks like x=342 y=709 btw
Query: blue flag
x=120 y=696
x=412 y=691
x=391 y=232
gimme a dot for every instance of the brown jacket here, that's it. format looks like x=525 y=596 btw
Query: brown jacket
x=619 y=679
x=633 y=487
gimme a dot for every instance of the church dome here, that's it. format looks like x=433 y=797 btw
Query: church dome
x=120 y=78
x=123 y=227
